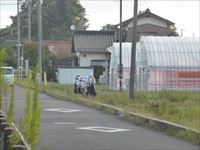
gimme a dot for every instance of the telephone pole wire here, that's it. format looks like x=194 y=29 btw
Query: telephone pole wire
x=133 y=52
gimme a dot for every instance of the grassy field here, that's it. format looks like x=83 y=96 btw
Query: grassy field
x=178 y=107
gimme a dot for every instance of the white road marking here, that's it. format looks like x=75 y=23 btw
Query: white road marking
x=64 y=110
x=64 y=123
x=103 y=129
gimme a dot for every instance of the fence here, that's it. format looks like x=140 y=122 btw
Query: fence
x=6 y=131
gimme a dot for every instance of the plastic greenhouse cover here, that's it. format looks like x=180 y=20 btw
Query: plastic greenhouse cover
x=157 y=51
x=170 y=51
x=126 y=55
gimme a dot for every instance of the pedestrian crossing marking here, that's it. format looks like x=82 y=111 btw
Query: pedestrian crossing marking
x=64 y=110
x=103 y=129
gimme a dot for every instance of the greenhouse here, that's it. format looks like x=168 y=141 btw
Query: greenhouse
x=162 y=63
x=114 y=61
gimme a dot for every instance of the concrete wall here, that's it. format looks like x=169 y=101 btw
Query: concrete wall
x=68 y=75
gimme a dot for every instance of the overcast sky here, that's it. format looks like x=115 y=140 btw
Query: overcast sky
x=184 y=13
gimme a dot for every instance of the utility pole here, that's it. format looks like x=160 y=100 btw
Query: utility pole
x=18 y=38
x=120 y=48
x=39 y=37
x=133 y=53
x=29 y=21
x=22 y=62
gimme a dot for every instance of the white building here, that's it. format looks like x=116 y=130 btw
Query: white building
x=90 y=48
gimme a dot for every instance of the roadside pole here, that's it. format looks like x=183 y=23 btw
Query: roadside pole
x=120 y=48
x=29 y=21
x=133 y=52
x=18 y=39
x=39 y=38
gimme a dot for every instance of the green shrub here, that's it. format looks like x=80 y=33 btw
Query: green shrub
x=2 y=83
x=35 y=116
x=27 y=114
x=14 y=140
x=32 y=115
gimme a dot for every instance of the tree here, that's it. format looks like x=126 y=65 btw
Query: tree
x=57 y=17
x=31 y=53
x=11 y=58
x=107 y=27
x=172 y=31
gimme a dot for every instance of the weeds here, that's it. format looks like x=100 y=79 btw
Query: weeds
x=2 y=61
x=31 y=123
x=14 y=140
x=11 y=105
x=35 y=118
x=173 y=96
x=27 y=115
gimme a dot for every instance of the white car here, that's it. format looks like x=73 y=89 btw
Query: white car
x=8 y=73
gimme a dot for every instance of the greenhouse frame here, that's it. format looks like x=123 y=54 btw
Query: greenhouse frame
x=162 y=63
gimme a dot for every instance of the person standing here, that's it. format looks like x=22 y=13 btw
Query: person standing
x=91 y=88
x=77 y=84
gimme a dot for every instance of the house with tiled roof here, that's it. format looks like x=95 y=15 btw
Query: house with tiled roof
x=61 y=49
x=63 y=56
x=148 y=24
x=62 y=52
x=90 y=48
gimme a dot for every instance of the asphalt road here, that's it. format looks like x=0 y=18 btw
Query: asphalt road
x=68 y=126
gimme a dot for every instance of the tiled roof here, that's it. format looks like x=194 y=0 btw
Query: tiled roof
x=93 y=41
x=146 y=13
x=61 y=49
